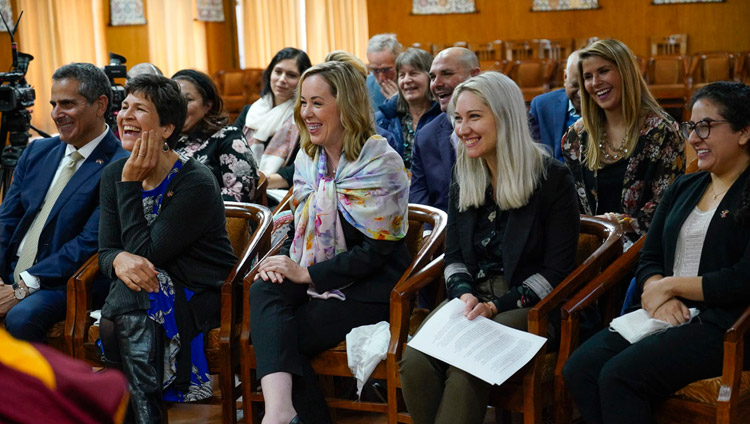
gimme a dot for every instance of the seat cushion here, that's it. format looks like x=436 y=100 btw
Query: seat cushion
x=707 y=391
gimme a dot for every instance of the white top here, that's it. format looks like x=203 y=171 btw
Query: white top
x=690 y=243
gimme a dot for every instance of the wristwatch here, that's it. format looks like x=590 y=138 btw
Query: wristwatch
x=20 y=291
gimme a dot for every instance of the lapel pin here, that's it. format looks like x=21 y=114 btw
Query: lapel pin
x=99 y=161
x=170 y=194
x=724 y=213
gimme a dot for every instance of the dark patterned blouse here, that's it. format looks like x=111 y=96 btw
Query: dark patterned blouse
x=658 y=158
x=228 y=156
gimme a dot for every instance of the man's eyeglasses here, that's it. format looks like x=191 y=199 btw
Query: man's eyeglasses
x=702 y=128
x=377 y=71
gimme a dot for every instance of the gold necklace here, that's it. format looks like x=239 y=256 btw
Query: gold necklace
x=618 y=153
x=715 y=195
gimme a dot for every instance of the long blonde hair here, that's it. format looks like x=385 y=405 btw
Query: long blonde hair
x=348 y=87
x=520 y=160
x=636 y=100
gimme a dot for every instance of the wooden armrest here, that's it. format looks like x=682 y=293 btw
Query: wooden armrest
x=733 y=364
x=614 y=273
x=402 y=297
x=82 y=282
x=604 y=254
x=246 y=283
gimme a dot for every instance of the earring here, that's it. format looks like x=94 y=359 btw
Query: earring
x=165 y=147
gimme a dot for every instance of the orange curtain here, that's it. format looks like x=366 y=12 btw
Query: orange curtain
x=57 y=32
x=177 y=40
x=336 y=25
x=269 y=26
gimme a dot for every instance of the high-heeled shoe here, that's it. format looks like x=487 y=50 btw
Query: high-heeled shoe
x=296 y=420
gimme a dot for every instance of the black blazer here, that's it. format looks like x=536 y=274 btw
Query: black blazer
x=725 y=258
x=540 y=237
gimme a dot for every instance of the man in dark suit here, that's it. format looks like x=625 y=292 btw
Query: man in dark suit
x=49 y=220
x=552 y=113
x=434 y=144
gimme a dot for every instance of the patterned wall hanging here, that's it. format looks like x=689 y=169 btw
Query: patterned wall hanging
x=558 y=5
x=684 y=1
x=210 y=10
x=442 y=7
x=126 y=12
x=7 y=13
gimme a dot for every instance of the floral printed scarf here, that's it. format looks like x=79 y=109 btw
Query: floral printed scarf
x=372 y=194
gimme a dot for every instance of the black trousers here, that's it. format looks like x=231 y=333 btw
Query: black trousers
x=288 y=328
x=612 y=381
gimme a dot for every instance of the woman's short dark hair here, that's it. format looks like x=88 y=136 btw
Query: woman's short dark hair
x=165 y=94
x=216 y=117
x=303 y=63
x=732 y=99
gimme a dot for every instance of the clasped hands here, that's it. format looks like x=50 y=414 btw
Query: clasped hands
x=475 y=308
x=660 y=304
x=276 y=268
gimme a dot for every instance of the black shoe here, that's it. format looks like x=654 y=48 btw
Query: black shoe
x=296 y=420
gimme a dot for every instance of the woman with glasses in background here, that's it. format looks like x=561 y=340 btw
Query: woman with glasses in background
x=696 y=255
x=625 y=150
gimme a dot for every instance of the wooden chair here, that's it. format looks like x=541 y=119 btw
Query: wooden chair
x=518 y=50
x=261 y=197
x=333 y=362
x=221 y=343
x=724 y=399
x=238 y=87
x=531 y=75
x=742 y=71
x=708 y=67
x=607 y=290
x=673 y=44
x=666 y=77
x=599 y=244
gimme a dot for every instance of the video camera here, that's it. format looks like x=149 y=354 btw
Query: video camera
x=16 y=95
x=116 y=69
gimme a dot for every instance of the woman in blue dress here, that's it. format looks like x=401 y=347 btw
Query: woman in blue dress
x=164 y=245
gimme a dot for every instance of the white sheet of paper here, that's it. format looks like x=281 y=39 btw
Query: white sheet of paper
x=488 y=350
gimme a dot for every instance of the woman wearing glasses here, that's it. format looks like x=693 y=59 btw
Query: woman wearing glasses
x=697 y=255
x=625 y=151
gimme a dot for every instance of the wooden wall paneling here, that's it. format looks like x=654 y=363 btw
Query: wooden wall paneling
x=716 y=26
x=130 y=41
x=221 y=41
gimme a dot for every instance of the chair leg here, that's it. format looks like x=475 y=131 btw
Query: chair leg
x=228 y=402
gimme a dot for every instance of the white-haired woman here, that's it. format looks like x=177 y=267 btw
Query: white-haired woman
x=512 y=234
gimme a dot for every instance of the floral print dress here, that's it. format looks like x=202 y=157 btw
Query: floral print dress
x=162 y=311
x=228 y=156
x=658 y=158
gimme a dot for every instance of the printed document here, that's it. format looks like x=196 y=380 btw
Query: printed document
x=488 y=350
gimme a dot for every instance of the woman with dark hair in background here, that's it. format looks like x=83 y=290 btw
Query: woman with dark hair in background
x=414 y=106
x=696 y=255
x=209 y=139
x=163 y=243
x=625 y=150
x=268 y=124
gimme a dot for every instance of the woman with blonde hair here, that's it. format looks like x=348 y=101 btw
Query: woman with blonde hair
x=346 y=249
x=625 y=150
x=511 y=237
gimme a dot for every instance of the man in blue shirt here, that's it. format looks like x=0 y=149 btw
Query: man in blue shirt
x=434 y=144
x=552 y=113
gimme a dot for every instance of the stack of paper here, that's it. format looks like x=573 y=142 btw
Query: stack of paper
x=481 y=347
